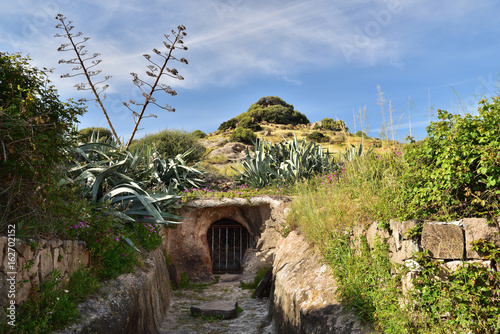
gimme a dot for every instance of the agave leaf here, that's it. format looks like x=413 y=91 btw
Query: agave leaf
x=131 y=244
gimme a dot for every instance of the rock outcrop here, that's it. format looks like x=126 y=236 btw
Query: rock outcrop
x=304 y=298
x=133 y=303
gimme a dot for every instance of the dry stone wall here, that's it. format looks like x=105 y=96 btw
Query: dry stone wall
x=35 y=260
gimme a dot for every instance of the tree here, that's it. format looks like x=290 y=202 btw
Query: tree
x=35 y=128
x=155 y=70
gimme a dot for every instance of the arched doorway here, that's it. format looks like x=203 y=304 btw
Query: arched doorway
x=227 y=241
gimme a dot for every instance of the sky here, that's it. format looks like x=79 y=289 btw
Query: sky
x=327 y=58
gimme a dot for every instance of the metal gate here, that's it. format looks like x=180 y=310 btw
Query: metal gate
x=227 y=241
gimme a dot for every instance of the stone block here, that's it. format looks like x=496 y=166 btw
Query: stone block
x=443 y=241
x=46 y=264
x=408 y=225
x=174 y=274
x=478 y=228
x=455 y=265
x=397 y=236
x=408 y=247
x=372 y=233
x=222 y=309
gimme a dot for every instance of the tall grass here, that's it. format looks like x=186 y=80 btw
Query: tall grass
x=363 y=190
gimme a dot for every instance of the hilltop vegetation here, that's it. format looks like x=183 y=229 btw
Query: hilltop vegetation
x=269 y=109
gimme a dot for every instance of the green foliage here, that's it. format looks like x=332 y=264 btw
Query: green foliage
x=259 y=275
x=270 y=109
x=361 y=134
x=352 y=153
x=245 y=136
x=330 y=124
x=104 y=135
x=228 y=125
x=121 y=179
x=48 y=307
x=170 y=142
x=199 y=134
x=284 y=162
x=455 y=171
x=247 y=123
x=365 y=283
x=318 y=137
x=35 y=127
x=468 y=300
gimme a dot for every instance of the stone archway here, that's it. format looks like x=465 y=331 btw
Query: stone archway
x=227 y=242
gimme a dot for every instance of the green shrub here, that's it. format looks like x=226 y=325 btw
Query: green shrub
x=199 y=134
x=270 y=109
x=170 y=143
x=455 y=171
x=228 y=125
x=330 y=124
x=317 y=137
x=361 y=134
x=247 y=123
x=104 y=134
x=245 y=136
x=35 y=128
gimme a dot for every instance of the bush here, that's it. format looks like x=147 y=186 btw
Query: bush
x=247 y=123
x=330 y=124
x=170 y=143
x=245 y=136
x=270 y=109
x=228 y=125
x=317 y=137
x=104 y=134
x=455 y=171
x=361 y=134
x=199 y=134
x=35 y=127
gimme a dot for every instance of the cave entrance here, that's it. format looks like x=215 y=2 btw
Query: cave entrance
x=227 y=241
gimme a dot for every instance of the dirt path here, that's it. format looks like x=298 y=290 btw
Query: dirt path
x=252 y=320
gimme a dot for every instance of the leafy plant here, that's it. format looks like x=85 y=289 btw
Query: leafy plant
x=317 y=137
x=245 y=136
x=288 y=161
x=88 y=134
x=351 y=152
x=199 y=134
x=455 y=171
x=35 y=128
x=330 y=124
x=171 y=142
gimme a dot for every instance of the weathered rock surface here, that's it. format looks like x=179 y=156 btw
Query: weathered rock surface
x=304 y=298
x=261 y=216
x=133 y=303
x=35 y=260
x=478 y=228
x=217 y=309
x=232 y=151
x=443 y=241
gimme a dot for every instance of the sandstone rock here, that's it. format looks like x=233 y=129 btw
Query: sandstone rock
x=174 y=274
x=478 y=228
x=262 y=289
x=304 y=298
x=455 y=265
x=217 y=309
x=132 y=303
x=232 y=151
x=443 y=241
x=408 y=225
x=408 y=247
x=372 y=233
x=397 y=234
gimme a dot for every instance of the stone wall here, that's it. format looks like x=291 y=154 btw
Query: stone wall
x=134 y=303
x=35 y=260
x=187 y=245
x=446 y=241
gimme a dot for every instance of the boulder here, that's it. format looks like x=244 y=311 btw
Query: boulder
x=217 y=309
x=232 y=151
x=443 y=241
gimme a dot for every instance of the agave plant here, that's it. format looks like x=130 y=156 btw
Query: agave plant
x=351 y=153
x=140 y=185
x=287 y=161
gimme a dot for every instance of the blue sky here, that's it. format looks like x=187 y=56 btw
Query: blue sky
x=325 y=57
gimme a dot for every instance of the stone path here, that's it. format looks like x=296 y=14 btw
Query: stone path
x=252 y=320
